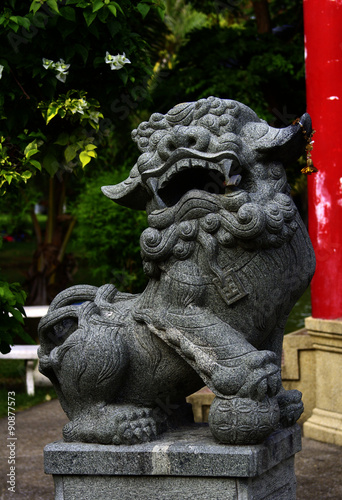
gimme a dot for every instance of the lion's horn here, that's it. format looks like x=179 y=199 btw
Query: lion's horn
x=129 y=193
x=285 y=144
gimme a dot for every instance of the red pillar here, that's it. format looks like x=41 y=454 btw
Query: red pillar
x=323 y=45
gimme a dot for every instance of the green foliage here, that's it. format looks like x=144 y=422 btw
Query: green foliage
x=52 y=63
x=259 y=70
x=110 y=234
x=56 y=89
x=12 y=299
x=180 y=19
x=14 y=165
x=229 y=59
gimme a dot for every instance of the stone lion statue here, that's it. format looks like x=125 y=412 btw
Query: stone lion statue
x=227 y=257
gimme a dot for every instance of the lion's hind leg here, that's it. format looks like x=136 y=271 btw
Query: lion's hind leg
x=112 y=424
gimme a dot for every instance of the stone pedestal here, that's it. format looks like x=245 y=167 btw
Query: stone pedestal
x=184 y=464
x=325 y=424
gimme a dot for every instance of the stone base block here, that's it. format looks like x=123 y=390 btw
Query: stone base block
x=325 y=426
x=183 y=464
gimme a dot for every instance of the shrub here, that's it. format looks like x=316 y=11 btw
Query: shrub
x=109 y=234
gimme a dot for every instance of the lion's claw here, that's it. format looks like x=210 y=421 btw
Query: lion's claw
x=254 y=375
x=116 y=425
x=291 y=406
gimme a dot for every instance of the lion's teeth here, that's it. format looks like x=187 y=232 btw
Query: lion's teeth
x=234 y=180
x=226 y=167
x=152 y=183
x=182 y=164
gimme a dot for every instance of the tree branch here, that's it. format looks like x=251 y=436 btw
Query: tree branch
x=262 y=15
x=19 y=85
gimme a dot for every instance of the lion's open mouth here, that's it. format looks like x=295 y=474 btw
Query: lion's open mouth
x=187 y=175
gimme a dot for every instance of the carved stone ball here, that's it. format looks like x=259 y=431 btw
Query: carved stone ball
x=243 y=420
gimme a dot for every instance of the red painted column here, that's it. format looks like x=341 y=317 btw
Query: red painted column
x=323 y=45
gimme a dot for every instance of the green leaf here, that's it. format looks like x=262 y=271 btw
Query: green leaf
x=68 y=13
x=117 y=6
x=36 y=164
x=53 y=5
x=144 y=9
x=161 y=12
x=62 y=139
x=123 y=76
x=23 y=21
x=103 y=15
x=84 y=158
x=50 y=164
x=31 y=153
x=70 y=152
x=14 y=26
x=97 y=5
x=16 y=314
x=8 y=178
x=112 y=9
x=82 y=51
x=31 y=146
x=5 y=292
x=26 y=175
x=35 y=6
x=51 y=111
x=89 y=16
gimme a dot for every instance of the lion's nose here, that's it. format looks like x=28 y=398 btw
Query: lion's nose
x=196 y=138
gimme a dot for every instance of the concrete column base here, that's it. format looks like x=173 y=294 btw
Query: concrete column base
x=325 y=423
x=184 y=464
x=325 y=426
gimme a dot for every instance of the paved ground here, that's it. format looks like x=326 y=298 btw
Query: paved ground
x=318 y=465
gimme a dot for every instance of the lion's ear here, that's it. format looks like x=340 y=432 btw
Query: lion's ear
x=129 y=193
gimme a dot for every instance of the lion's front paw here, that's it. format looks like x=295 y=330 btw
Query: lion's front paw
x=263 y=377
x=253 y=375
x=291 y=406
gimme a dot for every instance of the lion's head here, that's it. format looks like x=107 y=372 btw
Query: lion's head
x=212 y=166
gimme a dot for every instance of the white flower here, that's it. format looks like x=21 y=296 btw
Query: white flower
x=116 y=62
x=1 y=70
x=60 y=67
x=61 y=77
x=94 y=116
x=62 y=70
x=47 y=63
x=80 y=106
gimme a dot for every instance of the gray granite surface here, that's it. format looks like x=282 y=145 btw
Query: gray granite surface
x=186 y=452
x=227 y=256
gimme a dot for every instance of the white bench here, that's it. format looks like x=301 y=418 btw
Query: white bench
x=29 y=354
